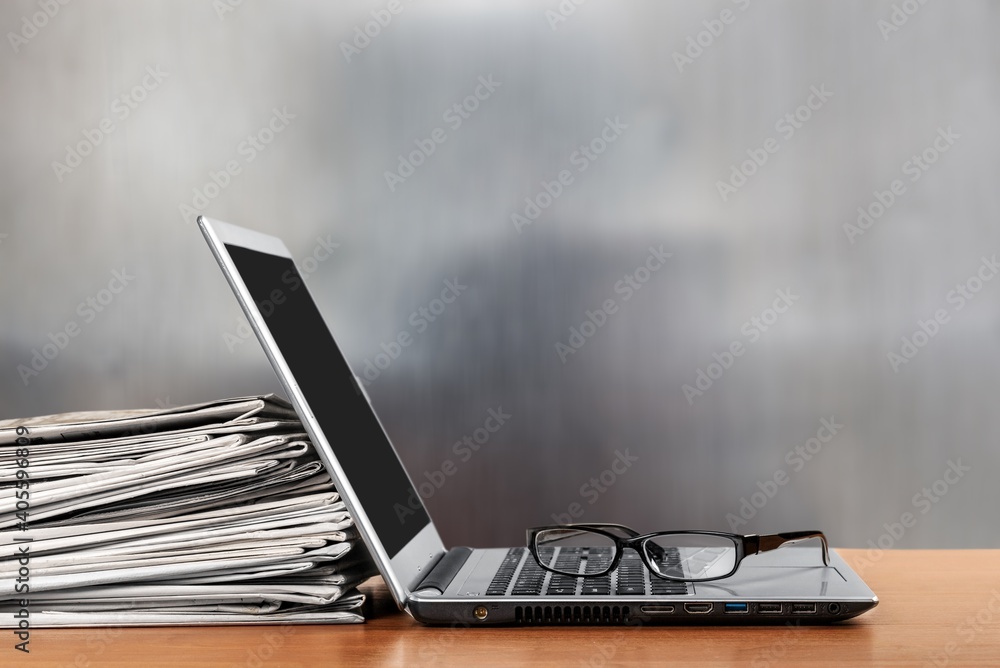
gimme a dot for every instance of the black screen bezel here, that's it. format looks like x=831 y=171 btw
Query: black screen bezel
x=263 y=274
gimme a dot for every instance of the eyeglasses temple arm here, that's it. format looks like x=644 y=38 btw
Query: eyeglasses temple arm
x=754 y=544
x=580 y=528
x=571 y=529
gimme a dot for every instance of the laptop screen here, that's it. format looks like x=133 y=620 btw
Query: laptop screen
x=329 y=386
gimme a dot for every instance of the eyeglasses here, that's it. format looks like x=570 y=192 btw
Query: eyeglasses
x=593 y=550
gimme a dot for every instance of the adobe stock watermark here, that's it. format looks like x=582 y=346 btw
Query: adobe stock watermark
x=626 y=287
x=247 y=151
x=434 y=646
x=272 y=642
x=584 y=156
x=958 y=298
x=971 y=628
x=775 y=653
x=453 y=116
x=786 y=126
x=420 y=320
x=922 y=502
x=32 y=23
x=464 y=449
x=98 y=641
x=752 y=329
x=121 y=108
x=163 y=403
x=898 y=17
x=592 y=490
x=915 y=167
x=607 y=652
x=796 y=458
x=224 y=7
x=562 y=12
x=714 y=28
x=364 y=33
x=21 y=547
x=88 y=310
x=321 y=252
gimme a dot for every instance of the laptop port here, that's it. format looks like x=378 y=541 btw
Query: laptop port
x=737 y=608
x=664 y=609
x=833 y=608
x=698 y=608
x=803 y=608
x=769 y=608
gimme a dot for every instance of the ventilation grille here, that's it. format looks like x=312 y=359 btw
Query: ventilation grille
x=571 y=614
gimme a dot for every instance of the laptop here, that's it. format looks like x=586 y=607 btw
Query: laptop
x=462 y=586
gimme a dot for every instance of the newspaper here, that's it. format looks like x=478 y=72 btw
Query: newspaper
x=214 y=513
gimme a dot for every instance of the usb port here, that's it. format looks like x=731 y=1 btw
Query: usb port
x=698 y=608
x=803 y=608
x=737 y=608
x=769 y=608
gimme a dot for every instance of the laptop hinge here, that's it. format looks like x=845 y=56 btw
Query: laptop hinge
x=445 y=570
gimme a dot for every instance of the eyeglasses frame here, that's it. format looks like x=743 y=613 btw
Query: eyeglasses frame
x=746 y=545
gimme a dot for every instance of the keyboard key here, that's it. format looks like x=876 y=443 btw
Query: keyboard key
x=596 y=590
x=561 y=591
x=524 y=591
x=631 y=590
x=669 y=588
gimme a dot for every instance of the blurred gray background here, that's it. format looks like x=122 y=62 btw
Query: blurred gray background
x=346 y=114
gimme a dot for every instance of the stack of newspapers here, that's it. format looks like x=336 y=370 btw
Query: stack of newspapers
x=214 y=513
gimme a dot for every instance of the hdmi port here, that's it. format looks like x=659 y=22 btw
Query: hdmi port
x=698 y=608
x=803 y=608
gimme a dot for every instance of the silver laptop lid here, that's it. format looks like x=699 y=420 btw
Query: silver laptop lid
x=331 y=401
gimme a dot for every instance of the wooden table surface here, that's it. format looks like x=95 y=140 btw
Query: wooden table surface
x=937 y=608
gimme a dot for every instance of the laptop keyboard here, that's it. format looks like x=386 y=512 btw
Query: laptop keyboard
x=520 y=575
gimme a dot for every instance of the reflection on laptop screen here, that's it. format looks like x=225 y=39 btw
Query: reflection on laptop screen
x=329 y=386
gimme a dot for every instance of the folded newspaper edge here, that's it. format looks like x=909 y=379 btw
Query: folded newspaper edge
x=212 y=513
x=346 y=611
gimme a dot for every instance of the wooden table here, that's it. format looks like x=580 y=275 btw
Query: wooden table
x=938 y=608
